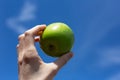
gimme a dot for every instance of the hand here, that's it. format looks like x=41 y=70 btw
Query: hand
x=30 y=64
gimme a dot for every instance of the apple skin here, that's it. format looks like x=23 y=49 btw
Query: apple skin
x=57 y=39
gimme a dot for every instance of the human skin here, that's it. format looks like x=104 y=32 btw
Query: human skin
x=30 y=64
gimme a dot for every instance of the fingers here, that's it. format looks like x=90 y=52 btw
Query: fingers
x=20 y=46
x=37 y=30
x=27 y=39
x=63 y=60
x=36 y=39
x=21 y=38
x=29 y=35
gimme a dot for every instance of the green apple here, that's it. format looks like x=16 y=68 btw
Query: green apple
x=57 y=39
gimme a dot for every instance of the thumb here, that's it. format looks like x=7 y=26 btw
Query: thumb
x=63 y=60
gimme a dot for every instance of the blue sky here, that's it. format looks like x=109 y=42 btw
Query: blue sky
x=96 y=25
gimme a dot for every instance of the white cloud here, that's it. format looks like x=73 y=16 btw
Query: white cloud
x=13 y=24
x=27 y=13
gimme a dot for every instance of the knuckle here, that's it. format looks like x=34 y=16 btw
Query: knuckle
x=19 y=62
x=27 y=33
x=30 y=56
x=17 y=46
x=64 y=60
x=67 y=57
x=20 y=36
x=29 y=53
